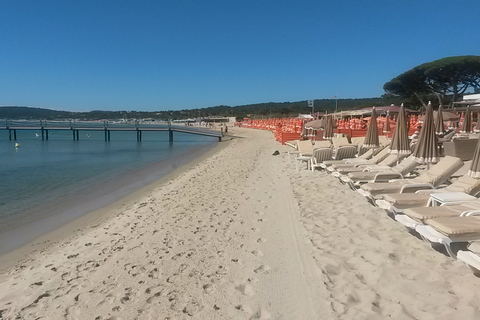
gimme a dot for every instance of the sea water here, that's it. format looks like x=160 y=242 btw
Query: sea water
x=45 y=184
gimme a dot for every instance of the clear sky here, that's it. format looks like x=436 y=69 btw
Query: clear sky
x=80 y=55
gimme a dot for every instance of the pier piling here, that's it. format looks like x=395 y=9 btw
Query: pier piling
x=45 y=127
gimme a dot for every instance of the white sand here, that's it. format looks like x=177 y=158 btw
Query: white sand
x=242 y=236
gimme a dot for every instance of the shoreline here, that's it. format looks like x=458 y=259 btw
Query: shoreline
x=103 y=212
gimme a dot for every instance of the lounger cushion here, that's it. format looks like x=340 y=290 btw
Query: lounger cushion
x=424 y=213
x=456 y=226
x=406 y=200
x=464 y=184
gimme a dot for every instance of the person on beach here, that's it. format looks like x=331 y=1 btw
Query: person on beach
x=226 y=129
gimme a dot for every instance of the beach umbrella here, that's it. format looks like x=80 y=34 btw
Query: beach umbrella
x=386 y=127
x=474 y=170
x=400 y=144
x=328 y=129
x=439 y=127
x=426 y=150
x=467 y=122
x=315 y=124
x=371 y=138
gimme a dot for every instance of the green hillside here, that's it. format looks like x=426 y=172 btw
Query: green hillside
x=259 y=110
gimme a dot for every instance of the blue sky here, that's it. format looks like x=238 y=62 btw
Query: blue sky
x=182 y=54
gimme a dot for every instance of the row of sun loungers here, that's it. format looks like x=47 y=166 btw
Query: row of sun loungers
x=441 y=208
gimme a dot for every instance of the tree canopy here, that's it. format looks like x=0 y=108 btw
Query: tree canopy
x=446 y=78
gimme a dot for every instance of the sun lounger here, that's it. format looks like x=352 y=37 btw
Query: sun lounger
x=384 y=141
x=385 y=164
x=332 y=166
x=322 y=144
x=412 y=217
x=292 y=143
x=345 y=152
x=305 y=152
x=471 y=256
x=397 y=202
x=428 y=179
x=367 y=155
x=380 y=173
x=362 y=158
x=471 y=259
x=320 y=155
x=340 y=142
x=448 y=230
x=357 y=141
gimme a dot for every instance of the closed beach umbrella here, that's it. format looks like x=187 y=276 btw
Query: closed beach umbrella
x=400 y=143
x=474 y=170
x=467 y=122
x=315 y=124
x=439 y=127
x=371 y=139
x=426 y=150
x=328 y=130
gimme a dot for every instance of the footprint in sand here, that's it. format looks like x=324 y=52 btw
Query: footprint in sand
x=261 y=314
x=257 y=253
x=262 y=269
x=246 y=289
x=154 y=297
x=245 y=309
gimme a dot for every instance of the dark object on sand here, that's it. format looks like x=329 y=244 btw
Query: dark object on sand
x=276 y=153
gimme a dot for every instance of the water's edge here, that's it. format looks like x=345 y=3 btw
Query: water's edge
x=53 y=229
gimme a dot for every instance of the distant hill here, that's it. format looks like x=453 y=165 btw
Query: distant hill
x=259 y=110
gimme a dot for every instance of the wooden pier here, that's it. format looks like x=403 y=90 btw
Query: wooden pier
x=107 y=127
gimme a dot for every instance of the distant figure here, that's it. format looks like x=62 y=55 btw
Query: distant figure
x=226 y=129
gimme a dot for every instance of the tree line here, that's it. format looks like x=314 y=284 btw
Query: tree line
x=443 y=81
x=259 y=110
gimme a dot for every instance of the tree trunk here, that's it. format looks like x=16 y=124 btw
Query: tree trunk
x=420 y=99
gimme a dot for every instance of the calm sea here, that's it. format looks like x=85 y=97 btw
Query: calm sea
x=45 y=184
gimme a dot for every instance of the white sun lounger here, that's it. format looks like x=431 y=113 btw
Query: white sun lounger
x=397 y=202
x=412 y=217
x=428 y=179
x=320 y=155
x=379 y=173
x=449 y=230
x=471 y=259
x=332 y=166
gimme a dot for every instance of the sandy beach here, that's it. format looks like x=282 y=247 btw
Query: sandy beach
x=240 y=235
